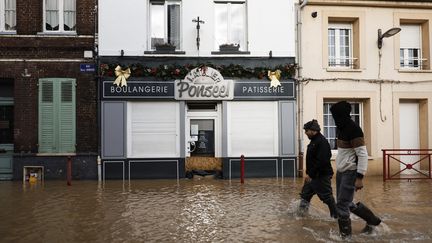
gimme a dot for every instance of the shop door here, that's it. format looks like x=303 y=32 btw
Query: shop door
x=203 y=142
x=409 y=133
x=6 y=139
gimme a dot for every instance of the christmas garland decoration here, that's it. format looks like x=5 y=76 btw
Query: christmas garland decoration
x=174 y=71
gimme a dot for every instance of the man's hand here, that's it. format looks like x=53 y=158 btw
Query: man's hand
x=307 y=179
x=358 y=184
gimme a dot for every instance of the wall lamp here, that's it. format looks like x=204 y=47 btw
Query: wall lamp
x=388 y=33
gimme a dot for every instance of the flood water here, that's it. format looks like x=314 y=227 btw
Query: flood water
x=203 y=210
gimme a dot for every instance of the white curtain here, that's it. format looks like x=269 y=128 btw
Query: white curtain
x=52 y=14
x=69 y=15
x=10 y=14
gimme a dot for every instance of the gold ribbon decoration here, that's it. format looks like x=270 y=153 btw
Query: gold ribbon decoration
x=121 y=75
x=274 y=78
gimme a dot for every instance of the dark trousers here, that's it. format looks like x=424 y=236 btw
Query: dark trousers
x=345 y=188
x=320 y=186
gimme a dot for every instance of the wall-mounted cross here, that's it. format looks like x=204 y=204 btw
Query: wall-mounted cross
x=198 y=21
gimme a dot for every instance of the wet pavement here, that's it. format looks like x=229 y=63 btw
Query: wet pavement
x=203 y=210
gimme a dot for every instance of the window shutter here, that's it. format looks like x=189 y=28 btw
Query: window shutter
x=66 y=117
x=57 y=116
x=410 y=36
x=46 y=117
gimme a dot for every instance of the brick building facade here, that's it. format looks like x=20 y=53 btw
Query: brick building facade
x=38 y=54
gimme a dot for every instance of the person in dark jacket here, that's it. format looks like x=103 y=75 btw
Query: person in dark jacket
x=318 y=170
x=351 y=165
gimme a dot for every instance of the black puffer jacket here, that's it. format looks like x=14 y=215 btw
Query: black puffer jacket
x=318 y=157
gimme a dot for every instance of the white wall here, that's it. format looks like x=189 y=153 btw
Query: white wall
x=124 y=25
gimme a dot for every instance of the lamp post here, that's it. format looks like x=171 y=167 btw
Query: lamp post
x=388 y=33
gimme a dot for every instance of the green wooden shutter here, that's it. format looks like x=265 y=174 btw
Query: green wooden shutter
x=57 y=116
x=66 y=117
x=46 y=117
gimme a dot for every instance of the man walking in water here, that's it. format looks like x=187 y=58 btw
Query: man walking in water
x=351 y=165
x=318 y=170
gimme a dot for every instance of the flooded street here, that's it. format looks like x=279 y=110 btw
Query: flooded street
x=202 y=210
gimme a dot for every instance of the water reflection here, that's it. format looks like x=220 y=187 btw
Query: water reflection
x=206 y=210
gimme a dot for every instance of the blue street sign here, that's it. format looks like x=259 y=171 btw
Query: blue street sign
x=87 y=67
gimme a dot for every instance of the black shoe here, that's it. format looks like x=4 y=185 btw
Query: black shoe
x=366 y=214
x=345 y=228
x=303 y=208
x=368 y=229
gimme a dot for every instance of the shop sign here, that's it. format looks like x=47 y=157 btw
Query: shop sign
x=204 y=83
x=139 y=89
x=261 y=90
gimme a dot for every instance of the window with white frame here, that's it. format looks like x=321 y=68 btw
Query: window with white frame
x=59 y=15
x=165 y=22
x=329 y=126
x=230 y=24
x=410 y=46
x=8 y=15
x=340 y=45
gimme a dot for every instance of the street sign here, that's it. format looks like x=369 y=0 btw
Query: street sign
x=87 y=67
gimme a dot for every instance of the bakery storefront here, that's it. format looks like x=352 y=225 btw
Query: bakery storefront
x=203 y=122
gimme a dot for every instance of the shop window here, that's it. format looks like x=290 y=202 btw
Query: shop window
x=411 y=47
x=253 y=128
x=230 y=24
x=165 y=23
x=59 y=15
x=56 y=115
x=153 y=129
x=329 y=126
x=8 y=15
x=340 y=45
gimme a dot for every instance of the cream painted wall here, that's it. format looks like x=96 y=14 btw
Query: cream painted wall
x=364 y=83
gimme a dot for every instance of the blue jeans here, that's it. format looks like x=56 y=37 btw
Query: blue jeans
x=345 y=188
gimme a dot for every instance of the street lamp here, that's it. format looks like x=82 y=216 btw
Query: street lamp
x=388 y=33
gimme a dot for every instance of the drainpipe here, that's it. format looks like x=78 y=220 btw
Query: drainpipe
x=99 y=167
x=299 y=86
x=98 y=80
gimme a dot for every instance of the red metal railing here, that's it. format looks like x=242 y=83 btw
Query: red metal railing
x=395 y=172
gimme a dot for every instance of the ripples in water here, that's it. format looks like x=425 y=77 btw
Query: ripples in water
x=261 y=210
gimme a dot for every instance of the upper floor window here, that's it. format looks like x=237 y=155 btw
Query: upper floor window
x=340 y=45
x=60 y=15
x=230 y=24
x=165 y=22
x=329 y=127
x=8 y=15
x=410 y=46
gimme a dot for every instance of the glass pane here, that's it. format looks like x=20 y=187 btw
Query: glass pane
x=6 y=124
x=205 y=144
x=416 y=57
x=332 y=132
x=52 y=15
x=69 y=15
x=237 y=25
x=174 y=24
x=401 y=54
x=10 y=15
x=221 y=26
x=333 y=144
x=157 y=23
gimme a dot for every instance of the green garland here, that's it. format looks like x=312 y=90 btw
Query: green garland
x=170 y=71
